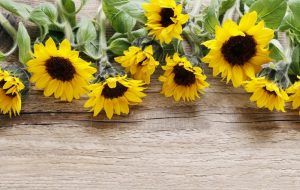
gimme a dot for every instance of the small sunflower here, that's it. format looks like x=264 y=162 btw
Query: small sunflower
x=60 y=71
x=266 y=94
x=294 y=90
x=238 y=51
x=141 y=64
x=10 y=93
x=114 y=95
x=181 y=79
x=165 y=20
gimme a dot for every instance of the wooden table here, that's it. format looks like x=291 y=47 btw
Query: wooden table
x=221 y=141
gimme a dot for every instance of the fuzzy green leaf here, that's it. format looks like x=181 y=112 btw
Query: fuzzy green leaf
x=225 y=5
x=291 y=20
x=24 y=44
x=295 y=65
x=70 y=8
x=49 y=10
x=276 y=51
x=16 y=8
x=86 y=32
x=211 y=18
x=119 y=45
x=120 y=20
x=270 y=11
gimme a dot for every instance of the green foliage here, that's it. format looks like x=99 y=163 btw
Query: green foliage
x=69 y=10
x=225 y=5
x=291 y=20
x=270 y=11
x=295 y=65
x=211 y=17
x=86 y=31
x=19 y=9
x=276 y=50
x=118 y=46
x=24 y=44
x=123 y=14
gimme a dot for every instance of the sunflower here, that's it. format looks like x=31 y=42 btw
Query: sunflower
x=181 y=79
x=266 y=94
x=141 y=64
x=60 y=71
x=294 y=90
x=165 y=19
x=10 y=93
x=238 y=51
x=114 y=95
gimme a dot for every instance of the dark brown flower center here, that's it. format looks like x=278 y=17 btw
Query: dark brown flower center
x=111 y=93
x=183 y=77
x=239 y=49
x=60 y=68
x=2 y=83
x=269 y=92
x=166 y=15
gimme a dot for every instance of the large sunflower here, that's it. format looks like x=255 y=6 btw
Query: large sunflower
x=294 y=90
x=165 y=19
x=238 y=51
x=10 y=93
x=114 y=95
x=181 y=79
x=60 y=71
x=266 y=94
x=141 y=64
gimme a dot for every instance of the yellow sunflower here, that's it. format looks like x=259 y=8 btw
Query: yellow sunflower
x=60 y=71
x=114 y=95
x=10 y=93
x=181 y=79
x=238 y=51
x=266 y=94
x=294 y=90
x=141 y=64
x=165 y=19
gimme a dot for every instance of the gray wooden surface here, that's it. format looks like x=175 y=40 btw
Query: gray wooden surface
x=221 y=141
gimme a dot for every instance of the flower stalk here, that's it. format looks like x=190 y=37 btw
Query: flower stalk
x=8 y=27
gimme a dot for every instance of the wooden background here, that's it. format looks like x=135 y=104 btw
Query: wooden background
x=221 y=141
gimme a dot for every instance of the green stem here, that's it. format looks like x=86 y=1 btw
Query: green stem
x=8 y=27
x=101 y=18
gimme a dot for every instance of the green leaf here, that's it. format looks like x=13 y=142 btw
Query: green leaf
x=24 y=44
x=49 y=10
x=86 y=32
x=120 y=20
x=248 y=2
x=295 y=65
x=225 y=5
x=211 y=18
x=276 y=51
x=134 y=10
x=291 y=20
x=2 y=56
x=70 y=9
x=119 y=45
x=16 y=8
x=92 y=50
x=271 y=11
x=138 y=34
x=39 y=17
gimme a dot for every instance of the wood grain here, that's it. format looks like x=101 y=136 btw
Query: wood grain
x=221 y=141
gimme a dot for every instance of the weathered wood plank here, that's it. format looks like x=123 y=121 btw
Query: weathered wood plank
x=219 y=142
